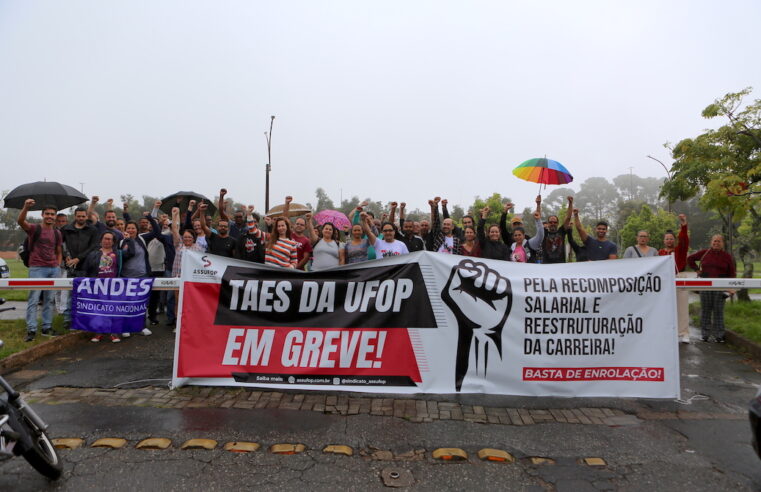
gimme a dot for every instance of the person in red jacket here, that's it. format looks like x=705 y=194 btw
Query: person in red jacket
x=714 y=263
x=678 y=248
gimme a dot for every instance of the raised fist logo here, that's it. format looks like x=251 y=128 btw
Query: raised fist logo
x=480 y=299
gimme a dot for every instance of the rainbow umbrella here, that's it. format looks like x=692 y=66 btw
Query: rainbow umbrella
x=543 y=171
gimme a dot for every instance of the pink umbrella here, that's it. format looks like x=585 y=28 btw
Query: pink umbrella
x=337 y=218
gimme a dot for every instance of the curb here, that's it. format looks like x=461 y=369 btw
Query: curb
x=752 y=348
x=20 y=359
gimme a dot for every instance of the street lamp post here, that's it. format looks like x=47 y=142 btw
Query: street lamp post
x=668 y=174
x=268 y=136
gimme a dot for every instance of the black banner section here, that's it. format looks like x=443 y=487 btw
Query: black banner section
x=321 y=379
x=391 y=296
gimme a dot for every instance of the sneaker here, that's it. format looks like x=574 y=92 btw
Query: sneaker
x=146 y=332
x=115 y=338
x=48 y=333
x=126 y=334
x=96 y=338
x=171 y=322
x=174 y=330
x=705 y=339
x=154 y=322
x=721 y=340
x=30 y=336
x=685 y=339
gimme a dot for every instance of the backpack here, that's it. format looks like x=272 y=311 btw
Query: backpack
x=25 y=251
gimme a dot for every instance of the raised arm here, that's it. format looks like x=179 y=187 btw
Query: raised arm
x=536 y=241
x=287 y=207
x=579 y=228
x=480 y=232
x=91 y=208
x=507 y=236
x=221 y=205
x=365 y=221
x=568 y=214
x=176 y=225
x=392 y=213
x=202 y=217
x=313 y=237
x=21 y=220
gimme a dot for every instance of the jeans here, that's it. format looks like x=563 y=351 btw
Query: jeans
x=171 y=300
x=48 y=300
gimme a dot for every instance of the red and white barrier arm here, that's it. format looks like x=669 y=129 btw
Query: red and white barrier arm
x=159 y=283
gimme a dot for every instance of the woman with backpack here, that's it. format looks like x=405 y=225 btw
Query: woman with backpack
x=327 y=250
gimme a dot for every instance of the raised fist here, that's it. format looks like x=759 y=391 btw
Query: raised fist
x=480 y=299
x=444 y=202
x=288 y=199
x=95 y=199
x=203 y=206
x=570 y=199
x=430 y=202
x=250 y=209
x=29 y=203
x=575 y=212
x=175 y=211
x=537 y=215
x=157 y=204
x=110 y=201
x=508 y=206
x=363 y=215
x=538 y=199
x=192 y=203
x=682 y=219
x=394 y=204
x=222 y=192
x=308 y=216
x=437 y=199
x=402 y=205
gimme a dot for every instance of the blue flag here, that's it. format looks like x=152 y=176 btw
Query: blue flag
x=109 y=305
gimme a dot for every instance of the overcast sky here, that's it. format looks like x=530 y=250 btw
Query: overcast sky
x=393 y=100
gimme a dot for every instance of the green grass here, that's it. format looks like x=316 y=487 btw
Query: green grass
x=13 y=332
x=741 y=317
x=18 y=270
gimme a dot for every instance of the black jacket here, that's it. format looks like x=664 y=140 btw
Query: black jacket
x=79 y=242
x=495 y=250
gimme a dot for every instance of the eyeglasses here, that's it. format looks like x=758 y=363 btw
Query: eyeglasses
x=388 y=230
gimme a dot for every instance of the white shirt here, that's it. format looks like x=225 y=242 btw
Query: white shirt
x=394 y=248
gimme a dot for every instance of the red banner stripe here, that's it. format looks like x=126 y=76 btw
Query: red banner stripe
x=694 y=283
x=31 y=283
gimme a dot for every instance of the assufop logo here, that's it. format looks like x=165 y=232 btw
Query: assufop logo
x=204 y=272
x=480 y=299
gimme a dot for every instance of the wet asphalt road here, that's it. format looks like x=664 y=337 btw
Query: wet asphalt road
x=707 y=447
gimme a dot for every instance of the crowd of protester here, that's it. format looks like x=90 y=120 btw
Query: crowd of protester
x=153 y=246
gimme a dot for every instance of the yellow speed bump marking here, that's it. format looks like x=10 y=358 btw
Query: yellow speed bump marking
x=287 y=448
x=68 y=443
x=338 y=449
x=154 y=443
x=241 y=447
x=490 y=454
x=199 y=444
x=537 y=460
x=595 y=461
x=110 y=442
x=450 y=454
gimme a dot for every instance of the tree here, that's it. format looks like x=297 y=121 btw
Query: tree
x=555 y=202
x=645 y=220
x=323 y=200
x=634 y=187
x=597 y=199
x=724 y=166
x=495 y=202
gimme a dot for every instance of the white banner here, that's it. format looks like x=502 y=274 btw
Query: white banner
x=432 y=323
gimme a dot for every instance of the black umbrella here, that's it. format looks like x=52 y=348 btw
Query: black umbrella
x=182 y=199
x=44 y=193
